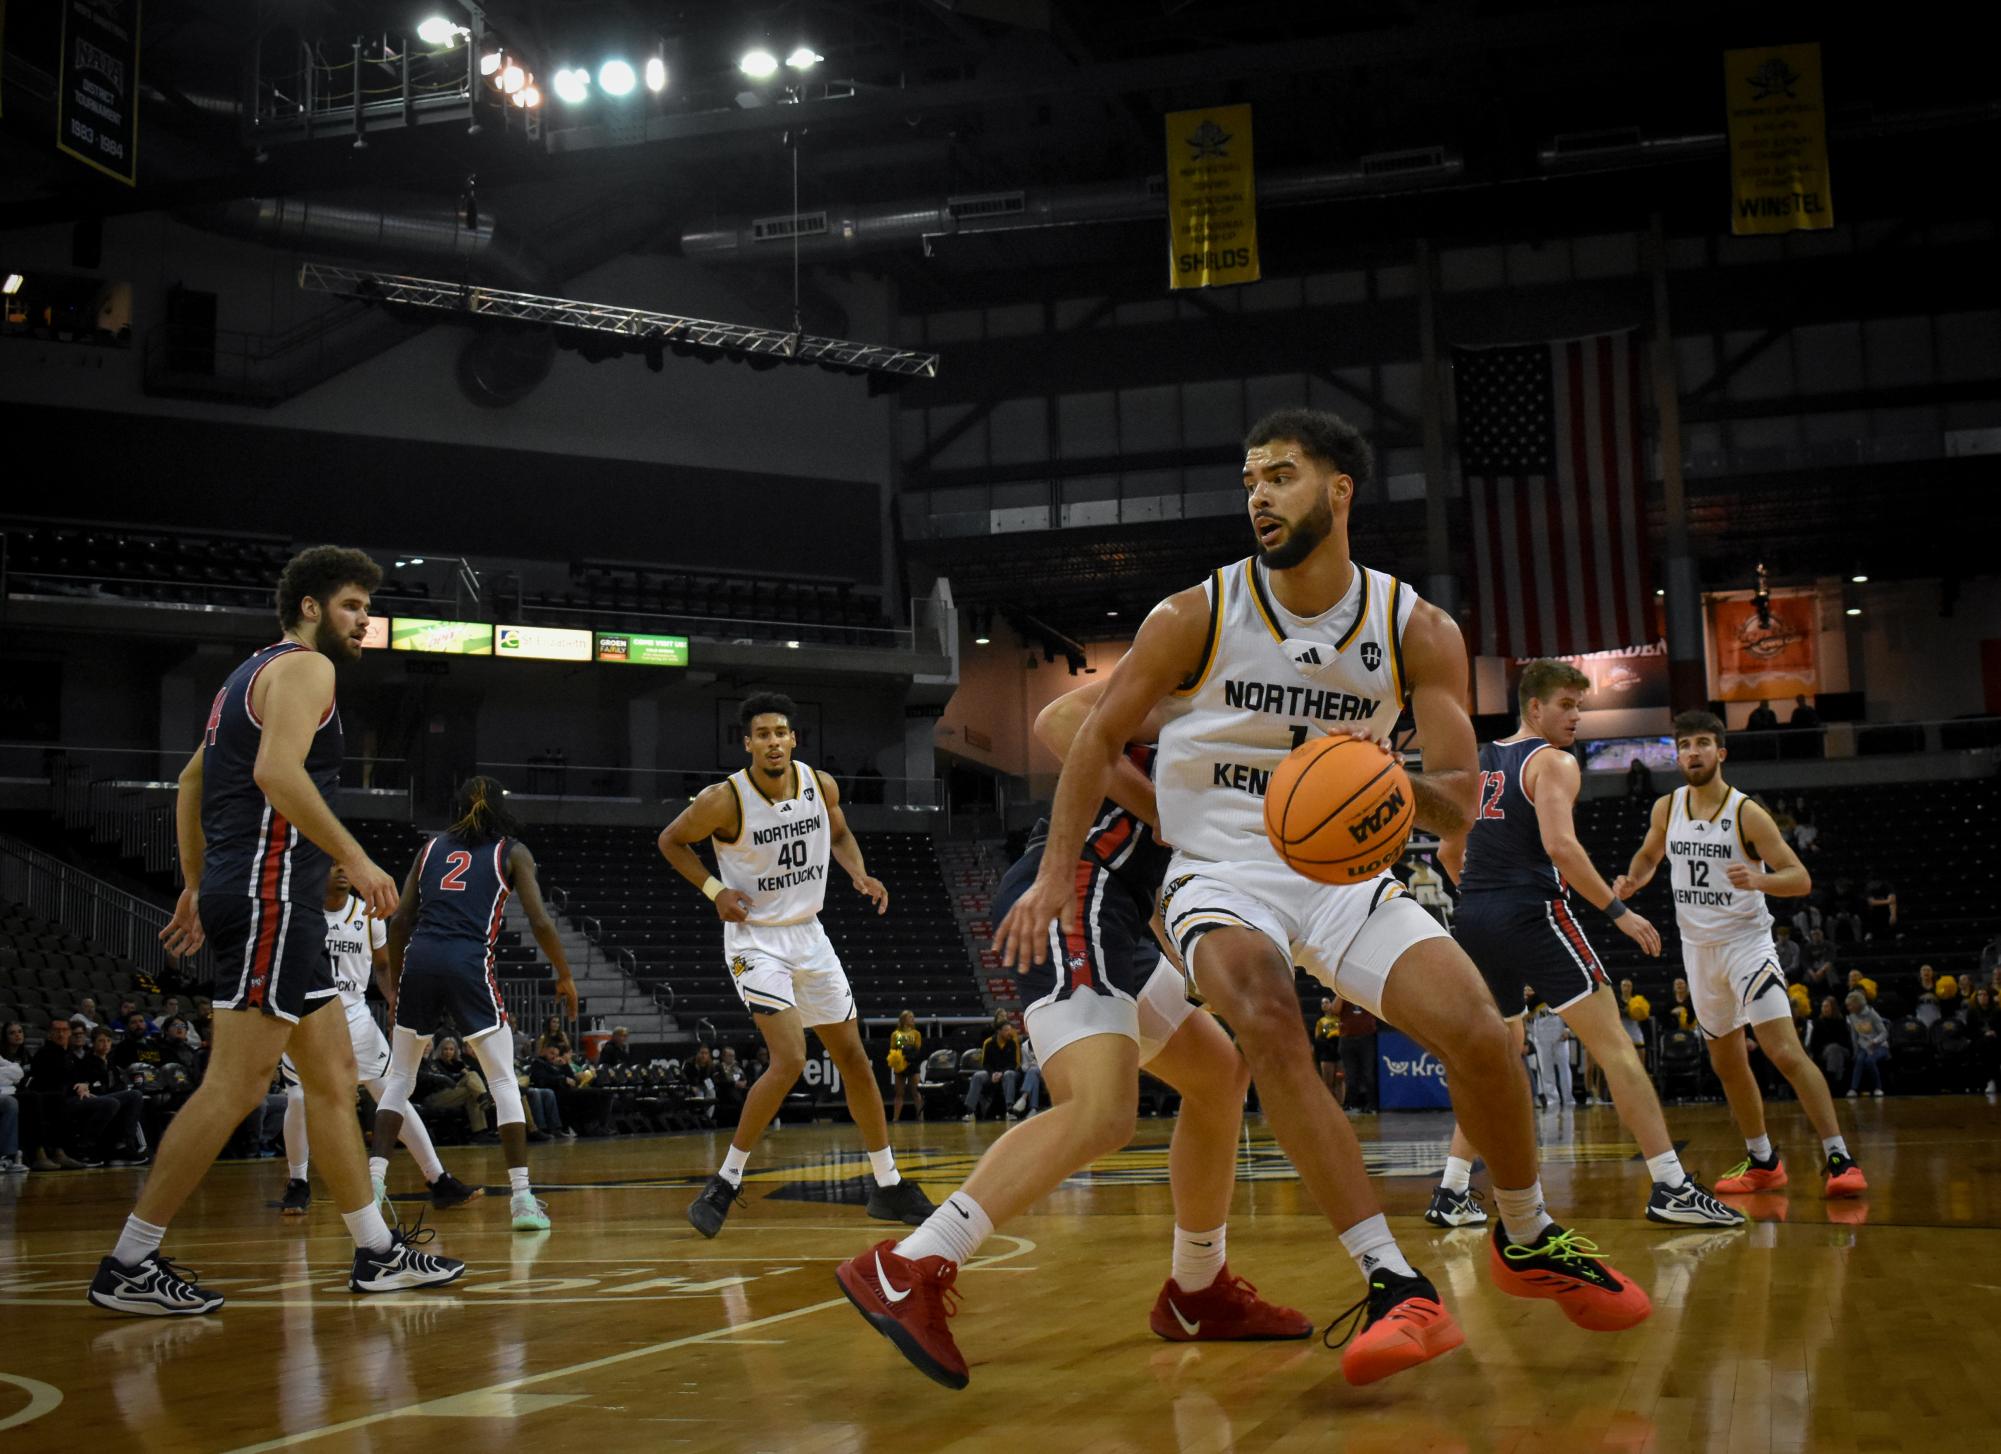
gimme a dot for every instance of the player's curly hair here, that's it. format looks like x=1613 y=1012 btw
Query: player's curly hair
x=480 y=813
x=319 y=571
x=1326 y=436
x=761 y=704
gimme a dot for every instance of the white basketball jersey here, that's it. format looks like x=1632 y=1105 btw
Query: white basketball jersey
x=1699 y=854
x=779 y=856
x=352 y=938
x=1268 y=682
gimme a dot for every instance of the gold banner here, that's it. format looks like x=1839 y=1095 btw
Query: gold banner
x=1778 y=140
x=1212 y=203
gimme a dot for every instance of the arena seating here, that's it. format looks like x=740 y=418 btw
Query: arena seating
x=44 y=971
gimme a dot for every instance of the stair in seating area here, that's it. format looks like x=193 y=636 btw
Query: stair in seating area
x=972 y=872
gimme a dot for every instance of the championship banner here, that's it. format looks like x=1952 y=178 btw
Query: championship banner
x=1623 y=678
x=1408 y=1077
x=1778 y=140
x=1212 y=204
x=97 y=87
x=1772 y=660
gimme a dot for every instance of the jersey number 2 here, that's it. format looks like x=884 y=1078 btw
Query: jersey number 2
x=454 y=881
x=1492 y=785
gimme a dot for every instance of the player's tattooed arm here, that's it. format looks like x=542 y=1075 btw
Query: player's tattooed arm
x=1449 y=787
x=1639 y=873
x=1785 y=876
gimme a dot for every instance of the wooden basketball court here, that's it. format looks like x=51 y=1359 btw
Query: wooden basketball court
x=1868 y=1325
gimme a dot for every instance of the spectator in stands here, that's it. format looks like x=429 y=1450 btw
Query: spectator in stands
x=177 y=1046
x=905 y=1060
x=1782 y=818
x=1000 y=1069
x=1682 y=1011
x=616 y=1051
x=1819 y=949
x=545 y=1117
x=1819 y=977
x=1762 y=719
x=1803 y=715
x=86 y=1011
x=1859 y=983
x=1872 y=1042
x=1639 y=780
x=1327 y=1045
x=51 y=1080
x=760 y=1061
x=1879 y=913
x=1829 y=1041
x=1983 y=1027
x=137 y=1047
x=1427 y=886
x=12 y=1073
x=550 y=1070
x=106 y=1099
x=1787 y=950
x=1030 y=1099
x=1358 y=1056
x=698 y=1073
x=1808 y=920
x=1927 y=996
x=463 y=1088
x=1806 y=833
x=14 y=1043
x=552 y=1033
x=732 y=1086
x=1845 y=920
x=127 y=1008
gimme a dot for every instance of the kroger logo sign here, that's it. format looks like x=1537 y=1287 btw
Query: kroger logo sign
x=1409 y=1077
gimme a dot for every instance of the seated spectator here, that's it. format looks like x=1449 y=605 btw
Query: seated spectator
x=1000 y=1069
x=453 y=1084
x=137 y=1047
x=1787 y=950
x=732 y=1085
x=550 y=1071
x=1983 y=1027
x=1639 y=781
x=616 y=1051
x=12 y=1073
x=1927 y=1009
x=1427 y=886
x=86 y=1011
x=1782 y=818
x=698 y=1074
x=51 y=1081
x=1762 y=719
x=127 y=1008
x=1819 y=976
x=552 y=1031
x=1682 y=1011
x=1872 y=1043
x=107 y=1107
x=1828 y=1040
x=1803 y=715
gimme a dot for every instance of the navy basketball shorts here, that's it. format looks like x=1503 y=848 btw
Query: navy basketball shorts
x=440 y=984
x=270 y=955
x=1528 y=943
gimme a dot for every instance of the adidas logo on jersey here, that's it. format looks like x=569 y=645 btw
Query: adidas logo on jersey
x=1306 y=656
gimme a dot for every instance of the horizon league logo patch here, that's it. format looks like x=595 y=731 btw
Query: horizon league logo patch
x=1372 y=655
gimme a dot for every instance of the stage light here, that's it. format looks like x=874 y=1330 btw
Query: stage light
x=490 y=62
x=436 y=30
x=528 y=96
x=758 y=64
x=656 y=74
x=982 y=640
x=1860 y=580
x=804 y=58
x=512 y=78
x=792 y=645
x=573 y=86
x=13 y=284
x=616 y=78
x=1854 y=611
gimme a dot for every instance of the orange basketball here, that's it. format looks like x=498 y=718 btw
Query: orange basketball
x=1339 y=810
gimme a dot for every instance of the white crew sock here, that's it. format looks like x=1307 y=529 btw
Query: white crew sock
x=1523 y=1213
x=953 y=1232
x=297 y=1170
x=1666 y=1169
x=517 y=1180
x=1458 y=1174
x=366 y=1226
x=883 y=1164
x=1760 y=1148
x=138 y=1239
x=1198 y=1258
x=733 y=1165
x=1833 y=1146
x=378 y=1169
x=1373 y=1246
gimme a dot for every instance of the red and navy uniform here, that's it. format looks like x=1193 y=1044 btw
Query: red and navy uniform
x=1514 y=919
x=462 y=893
x=1117 y=880
x=262 y=881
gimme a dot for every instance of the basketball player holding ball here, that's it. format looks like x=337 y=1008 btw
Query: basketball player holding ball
x=1297 y=642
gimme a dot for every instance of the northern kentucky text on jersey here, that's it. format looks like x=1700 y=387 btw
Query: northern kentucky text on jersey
x=778 y=831
x=1289 y=699
x=1710 y=898
x=772 y=883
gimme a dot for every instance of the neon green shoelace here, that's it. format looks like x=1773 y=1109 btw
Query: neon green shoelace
x=1567 y=1247
x=1739 y=1169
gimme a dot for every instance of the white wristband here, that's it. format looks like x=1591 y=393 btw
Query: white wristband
x=713 y=887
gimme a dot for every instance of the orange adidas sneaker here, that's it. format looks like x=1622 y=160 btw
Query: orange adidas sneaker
x=1402 y=1324
x=1566 y=1268
x=1228 y=1309
x=1843 y=1177
x=1752 y=1176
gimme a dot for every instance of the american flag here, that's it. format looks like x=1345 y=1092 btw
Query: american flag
x=1549 y=442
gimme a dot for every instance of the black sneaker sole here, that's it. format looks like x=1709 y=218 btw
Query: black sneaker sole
x=908 y=1219
x=449 y=1203
x=912 y=1351
x=706 y=1231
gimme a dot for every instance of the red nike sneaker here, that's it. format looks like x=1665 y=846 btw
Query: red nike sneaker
x=1228 y=1309
x=910 y=1303
x=1566 y=1268
x=1402 y=1324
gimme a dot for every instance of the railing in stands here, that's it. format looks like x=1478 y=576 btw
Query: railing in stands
x=69 y=770
x=108 y=919
x=678 y=784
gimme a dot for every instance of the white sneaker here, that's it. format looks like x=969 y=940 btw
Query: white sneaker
x=527 y=1212
x=13 y=1165
x=1018 y=1105
x=1853 y=1094
x=1878 y=1094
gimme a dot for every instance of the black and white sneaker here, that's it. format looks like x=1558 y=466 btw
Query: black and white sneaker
x=153 y=1287
x=448 y=1192
x=401 y=1265
x=1690 y=1205
x=298 y=1198
x=1455 y=1208
x=707 y=1212
x=905 y=1202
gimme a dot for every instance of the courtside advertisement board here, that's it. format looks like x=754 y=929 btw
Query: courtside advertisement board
x=633 y=649
x=449 y=638
x=542 y=643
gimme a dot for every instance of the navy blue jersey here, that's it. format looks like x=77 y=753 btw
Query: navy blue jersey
x=252 y=849
x=1120 y=843
x=462 y=891
x=1504 y=852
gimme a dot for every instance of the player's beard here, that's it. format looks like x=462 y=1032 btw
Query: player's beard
x=332 y=643
x=1302 y=539
x=1699 y=777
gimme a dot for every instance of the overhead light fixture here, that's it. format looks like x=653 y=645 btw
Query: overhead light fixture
x=13 y=284
x=1859 y=579
x=529 y=95
x=572 y=86
x=792 y=645
x=759 y=64
x=656 y=74
x=512 y=78
x=436 y=30
x=1854 y=611
x=489 y=63
x=982 y=640
x=1112 y=613
x=1659 y=592
x=617 y=78
x=804 y=58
